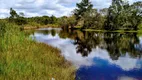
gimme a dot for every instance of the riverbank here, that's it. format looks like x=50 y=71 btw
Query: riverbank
x=29 y=27
x=119 y=31
x=22 y=58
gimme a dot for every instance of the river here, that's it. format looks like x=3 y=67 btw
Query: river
x=97 y=55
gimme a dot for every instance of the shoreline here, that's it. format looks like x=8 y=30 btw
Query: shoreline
x=29 y=27
x=92 y=30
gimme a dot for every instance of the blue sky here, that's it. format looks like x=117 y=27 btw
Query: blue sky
x=47 y=7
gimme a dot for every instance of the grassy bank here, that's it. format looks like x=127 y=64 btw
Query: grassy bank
x=24 y=59
x=119 y=31
x=36 y=26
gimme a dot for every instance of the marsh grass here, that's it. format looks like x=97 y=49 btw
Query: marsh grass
x=24 y=59
x=36 y=26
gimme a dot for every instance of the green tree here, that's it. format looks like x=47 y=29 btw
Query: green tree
x=83 y=8
x=63 y=22
x=71 y=21
x=53 y=19
x=13 y=15
x=113 y=12
x=122 y=15
x=136 y=18
x=93 y=19
x=67 y=22
x=46 y=20
x=18 y=19
x=104 y=11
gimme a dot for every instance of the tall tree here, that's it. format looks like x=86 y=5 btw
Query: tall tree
x=85 y=6
x=113 y=12
x=13 y=13
x=18 y=19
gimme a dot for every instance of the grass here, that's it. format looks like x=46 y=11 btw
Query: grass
x=139 y=31
x=33 y=25
x=24 y=59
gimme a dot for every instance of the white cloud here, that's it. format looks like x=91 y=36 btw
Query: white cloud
x=4 y=10
x=46 y=7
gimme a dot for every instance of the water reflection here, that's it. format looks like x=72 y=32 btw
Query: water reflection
x=117 y=44
x=98 y=56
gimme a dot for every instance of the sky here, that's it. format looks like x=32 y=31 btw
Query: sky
x=58 y=8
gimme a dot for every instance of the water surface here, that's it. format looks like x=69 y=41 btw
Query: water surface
x=97 y=55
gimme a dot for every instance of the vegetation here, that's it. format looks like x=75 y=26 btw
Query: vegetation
x=122 y=15
x=15 y=18
x=32 y=22
x=67 y=22
x=119 y=16
x=83 y=12
x=87 y=16
x=23 y=59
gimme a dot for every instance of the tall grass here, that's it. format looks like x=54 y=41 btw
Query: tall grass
x=24 y=59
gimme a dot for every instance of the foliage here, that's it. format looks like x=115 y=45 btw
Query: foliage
x=140 y=26
x=87 y=17
x=44 y=20
x=67 y=22
x=13 y=14
x=93 y=19
x=18 y=19
x=83 y=8
x=104 y=11
x=122 y=15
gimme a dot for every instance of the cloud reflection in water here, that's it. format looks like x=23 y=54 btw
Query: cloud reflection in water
x=68 y=50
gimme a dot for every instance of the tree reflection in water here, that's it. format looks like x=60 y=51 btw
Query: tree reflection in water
x=89 y=41
x=117 y=44
x=83 y=47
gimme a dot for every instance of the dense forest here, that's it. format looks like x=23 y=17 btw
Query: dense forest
x=120 y=15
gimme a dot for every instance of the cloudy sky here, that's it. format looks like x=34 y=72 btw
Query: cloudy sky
x=46 y=7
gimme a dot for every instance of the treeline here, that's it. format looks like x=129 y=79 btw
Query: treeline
x=120 y=15
x=19 y=19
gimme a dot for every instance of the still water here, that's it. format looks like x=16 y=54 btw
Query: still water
x=97 y=55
